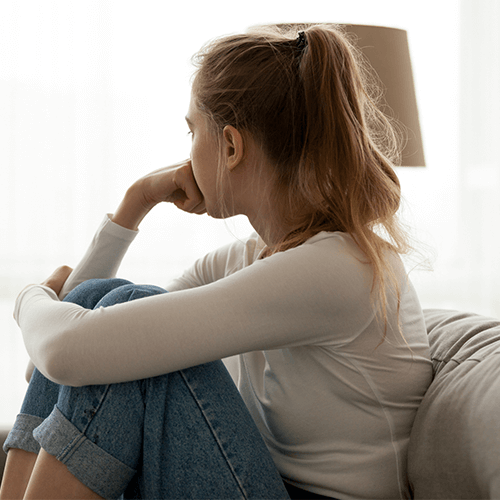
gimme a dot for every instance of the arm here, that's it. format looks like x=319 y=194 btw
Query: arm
x=175 y=184
x=286 y=300
x=212 y=267
x=55 y=282
x=103 y=257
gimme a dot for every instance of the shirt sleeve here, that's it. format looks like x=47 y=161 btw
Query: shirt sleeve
x=104 y=255
x=285 y=300
x=220 y=263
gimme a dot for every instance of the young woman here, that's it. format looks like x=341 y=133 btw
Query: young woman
x=333 y=355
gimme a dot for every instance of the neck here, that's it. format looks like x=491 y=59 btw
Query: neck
x=271 y=234
x=267 y=220
x=253 y=194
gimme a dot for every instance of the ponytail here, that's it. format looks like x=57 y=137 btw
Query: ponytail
x=307 y=99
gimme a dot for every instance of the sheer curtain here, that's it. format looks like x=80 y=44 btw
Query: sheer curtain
x=479 y=159
x=457 y=214
x=93 y=95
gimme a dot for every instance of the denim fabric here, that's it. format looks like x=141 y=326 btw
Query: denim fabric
x=182 y=435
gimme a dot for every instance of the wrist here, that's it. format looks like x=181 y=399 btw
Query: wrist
x=132 y=209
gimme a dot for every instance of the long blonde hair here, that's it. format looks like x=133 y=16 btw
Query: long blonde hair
x=310 y=104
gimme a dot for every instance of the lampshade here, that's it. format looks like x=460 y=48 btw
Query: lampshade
x=387 y=52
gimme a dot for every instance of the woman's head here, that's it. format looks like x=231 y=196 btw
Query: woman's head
x=306 y=100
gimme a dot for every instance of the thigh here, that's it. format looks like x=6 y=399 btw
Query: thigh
x=200 y=440
x=184 y=435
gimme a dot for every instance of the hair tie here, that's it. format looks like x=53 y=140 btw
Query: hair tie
x=301 y=41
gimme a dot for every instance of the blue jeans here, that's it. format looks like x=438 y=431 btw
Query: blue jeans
x=182 y=435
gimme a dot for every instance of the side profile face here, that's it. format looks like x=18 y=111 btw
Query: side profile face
x=204 y=157
x=233 y=174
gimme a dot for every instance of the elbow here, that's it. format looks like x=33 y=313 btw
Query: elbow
x=29 y=371
x=61 y=373
x=51 y=366
x=55 y=363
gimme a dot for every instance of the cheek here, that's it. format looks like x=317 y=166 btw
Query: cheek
x=201 y=176
x=204 y=159
x=198 y=152
x=195 y=160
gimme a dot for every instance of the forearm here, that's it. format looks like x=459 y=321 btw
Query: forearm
x=104 y=255
x=132 y=209
x=249 y=310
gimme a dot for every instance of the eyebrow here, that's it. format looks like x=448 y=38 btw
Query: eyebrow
x=188 y=121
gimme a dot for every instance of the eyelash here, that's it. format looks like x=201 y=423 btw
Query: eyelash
x=190 y=133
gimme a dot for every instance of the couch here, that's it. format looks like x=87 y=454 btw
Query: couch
x=454 y=448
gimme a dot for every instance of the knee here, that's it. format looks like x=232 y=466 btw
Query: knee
x=90 y=292
x=128 y=292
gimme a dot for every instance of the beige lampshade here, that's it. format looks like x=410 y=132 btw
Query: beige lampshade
x=387 y=51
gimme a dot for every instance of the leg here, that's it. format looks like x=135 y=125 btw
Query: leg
x=40 y=398
x=181 y=435
x=17 y=473
x=211 y=448
x=51 y=479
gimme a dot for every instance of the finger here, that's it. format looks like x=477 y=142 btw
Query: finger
x=199 y=209
x=190 y=206
x=57 y=279
x=62 y=273
x=193 y=196
x=193 y=206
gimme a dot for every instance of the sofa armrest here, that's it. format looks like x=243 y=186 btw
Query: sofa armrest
x=454 y=444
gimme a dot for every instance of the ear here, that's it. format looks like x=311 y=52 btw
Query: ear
x=233 y=147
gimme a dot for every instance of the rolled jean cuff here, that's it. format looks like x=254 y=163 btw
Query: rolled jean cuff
x=91 y=465
x=21 y=434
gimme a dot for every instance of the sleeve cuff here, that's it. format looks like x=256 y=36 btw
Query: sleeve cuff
x=116 y=230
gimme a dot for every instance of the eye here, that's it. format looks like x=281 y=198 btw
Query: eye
x=190 y=133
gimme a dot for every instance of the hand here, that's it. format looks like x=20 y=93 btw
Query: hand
x=57 y=279
x=175 y=184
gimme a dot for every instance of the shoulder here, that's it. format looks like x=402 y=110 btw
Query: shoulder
x=328 y=272
x=330 y=261
x=331 y=273
x=220 y=263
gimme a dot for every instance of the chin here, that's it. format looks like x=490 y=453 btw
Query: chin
x=219 y=215
x=218 y=212
x=215 y=213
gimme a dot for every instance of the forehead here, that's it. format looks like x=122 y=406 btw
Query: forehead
x=193 y=113
x=197 y=118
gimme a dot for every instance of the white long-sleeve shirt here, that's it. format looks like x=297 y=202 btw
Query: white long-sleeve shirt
x=334 y=404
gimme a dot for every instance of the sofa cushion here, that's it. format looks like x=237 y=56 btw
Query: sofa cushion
x=455 y=442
